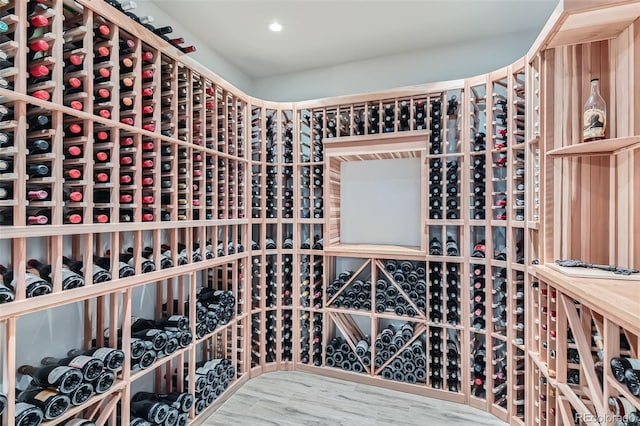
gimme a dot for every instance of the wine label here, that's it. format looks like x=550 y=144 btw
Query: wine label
x=175 y=318
x=80 y=361
x=98 y=270
x=594 y=123
x=45 y=394
x=202 y=371
x=70 y=278
x=32 y=279
x=102 y=353
x=57 y=373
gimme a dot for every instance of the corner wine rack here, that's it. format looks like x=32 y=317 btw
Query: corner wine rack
x=223 y=211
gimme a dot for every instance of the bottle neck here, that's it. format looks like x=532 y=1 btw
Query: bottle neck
x=595 y=88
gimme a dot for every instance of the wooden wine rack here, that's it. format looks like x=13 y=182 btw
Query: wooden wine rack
x=235 y=171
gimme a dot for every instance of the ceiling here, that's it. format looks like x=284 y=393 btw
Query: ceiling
x=323 y=33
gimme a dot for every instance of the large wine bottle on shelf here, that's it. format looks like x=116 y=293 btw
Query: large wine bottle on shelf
x=51 y=403
x=595 y=114
x=89 y=366
x=65 y=379
x=27 y=414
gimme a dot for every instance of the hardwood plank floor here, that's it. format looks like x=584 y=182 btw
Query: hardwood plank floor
x=288 y=398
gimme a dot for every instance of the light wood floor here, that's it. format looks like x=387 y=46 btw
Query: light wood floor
x=288 y=398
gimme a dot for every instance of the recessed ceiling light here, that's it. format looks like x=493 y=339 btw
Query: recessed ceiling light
x=275 y=27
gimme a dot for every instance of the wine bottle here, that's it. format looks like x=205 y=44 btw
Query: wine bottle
x=632 y=378
x=105 y=381
x=124 y=270
x=451 y=247
x=153 y=411
x=181 y=401
x=82 y=394
x=52 y=404
x=90 y=367
x=27 y=414
x=65 y=379
x=111 y=358
x=620 y=365
x=145 y=330
x=621 y=407
x=595 y=114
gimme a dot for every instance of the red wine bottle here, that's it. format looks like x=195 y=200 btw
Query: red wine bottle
x=37 y=194
x=40 y=217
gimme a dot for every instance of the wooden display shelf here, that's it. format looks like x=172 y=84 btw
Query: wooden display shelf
x=33 y=304
x=617 y=297
x=580 y=21
x=378 y=147
x=9 y=232
x=375 y=250
x=603 y=147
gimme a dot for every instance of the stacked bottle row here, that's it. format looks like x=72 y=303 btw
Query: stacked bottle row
x=49 y=390
x=212 y=379
x=311 y=285
x=449 y=208
x=410 y=364
x=519 y=165
x=444 y=299
x=272 y=164
x=152 y=340
x=84 y=172
x=214 y=308
x=372 y=118
x=163 y=32
x=401 y=352
x=311 y=325
x=160 y=409
x=400 y=288
x=341 y=355
x=612 y=362
x=40 y=277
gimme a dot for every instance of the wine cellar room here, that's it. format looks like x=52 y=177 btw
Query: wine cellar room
x=319 y=212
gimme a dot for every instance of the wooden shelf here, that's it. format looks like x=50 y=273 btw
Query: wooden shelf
x=617 y=297
x=374 y=250
x=378 y=147
x=579 y=21
x=604 y=147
